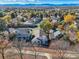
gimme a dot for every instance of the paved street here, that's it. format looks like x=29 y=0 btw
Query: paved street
x=47 y=53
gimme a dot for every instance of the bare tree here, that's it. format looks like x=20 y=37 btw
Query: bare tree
x=19 y=46
x=4 y=44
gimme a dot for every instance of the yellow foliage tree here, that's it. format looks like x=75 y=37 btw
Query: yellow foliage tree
x=46 y=25
x=7 y=19
x=73 y=26
x=69 y=18
x=78 y=36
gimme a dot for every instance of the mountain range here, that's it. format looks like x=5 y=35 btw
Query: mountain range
x=39 y=5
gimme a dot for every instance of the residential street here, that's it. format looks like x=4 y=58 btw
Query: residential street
x=48 y=53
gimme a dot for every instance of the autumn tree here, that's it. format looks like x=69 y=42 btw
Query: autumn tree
x=46 y=26
x=7 y=19
x=69 y=18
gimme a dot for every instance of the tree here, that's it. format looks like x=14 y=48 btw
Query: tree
x=46 y=26
x=7 y=19
x=4 y=44
x=69 y=18
x=78 y=36
x=19 y=46
x=1 y=14
x=2 y=25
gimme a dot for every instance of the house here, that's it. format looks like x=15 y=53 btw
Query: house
x=23 y=25
x=36 y=20
x=40 y=41
x=55 y=34
x=22 y=33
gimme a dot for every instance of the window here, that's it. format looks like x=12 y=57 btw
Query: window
x=24 y=38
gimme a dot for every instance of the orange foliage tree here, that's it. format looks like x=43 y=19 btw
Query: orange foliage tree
x=69 y=18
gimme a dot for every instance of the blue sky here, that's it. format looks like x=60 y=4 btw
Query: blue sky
x=39 y=1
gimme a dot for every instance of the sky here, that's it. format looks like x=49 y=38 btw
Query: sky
x=39 y=1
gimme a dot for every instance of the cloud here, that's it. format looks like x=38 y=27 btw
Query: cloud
x=16 y=0
x=31 y=0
